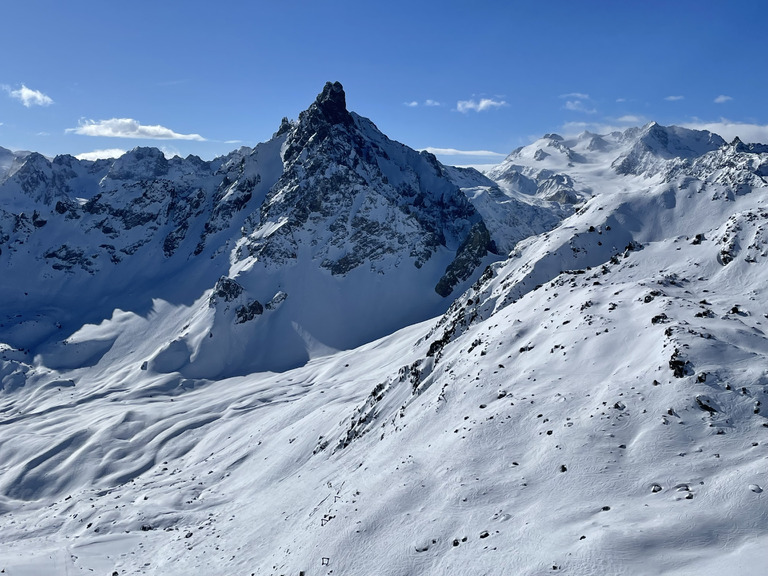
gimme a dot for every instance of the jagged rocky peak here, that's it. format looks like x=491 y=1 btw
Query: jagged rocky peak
x=140 y=163
x=751 y=147
x=332 y=101
x=34 y=178
x=671 y=141
x=738 y=145
x=363 y=197
x=330 y=106
x=597 y=143
x=654 y=148
x=285 y=126
x=6 y=161
x=327 y=114
x=65 y=161
x=36 y=161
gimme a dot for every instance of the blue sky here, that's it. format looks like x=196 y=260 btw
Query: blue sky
x=206 y=77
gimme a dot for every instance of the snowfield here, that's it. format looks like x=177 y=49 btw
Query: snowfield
x=591 y=402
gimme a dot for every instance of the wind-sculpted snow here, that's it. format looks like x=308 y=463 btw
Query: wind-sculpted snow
x=594 y=403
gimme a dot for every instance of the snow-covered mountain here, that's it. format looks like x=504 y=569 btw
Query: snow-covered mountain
x=592 y=402
x=326 y=237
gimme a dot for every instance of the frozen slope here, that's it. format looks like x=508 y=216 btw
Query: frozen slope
x=594 y=404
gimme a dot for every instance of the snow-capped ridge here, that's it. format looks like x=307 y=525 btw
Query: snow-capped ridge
x=139 y=163
x=655 y=146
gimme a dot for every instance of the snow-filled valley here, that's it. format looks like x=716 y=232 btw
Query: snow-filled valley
x=331 y=354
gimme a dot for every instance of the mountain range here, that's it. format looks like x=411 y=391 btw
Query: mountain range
x=332 y=354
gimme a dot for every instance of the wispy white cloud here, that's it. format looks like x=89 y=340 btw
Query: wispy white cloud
x=29 y=97
x=427 y=102
x=575 y=95
x=169 y=152
x=631 y=119
x=722 y=99
x=576 y=127
x=574 y=101
x=728 y=129
x=129 y=128
x=455 y=152
x=481 y=105
x=620 y=100
x=579 y=106
x=674 y=98
x=101 y=154
x=605 y=127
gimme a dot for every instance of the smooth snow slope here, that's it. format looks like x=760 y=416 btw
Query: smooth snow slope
x=592 y=405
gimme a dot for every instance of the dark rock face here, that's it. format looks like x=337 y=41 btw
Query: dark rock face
x=276 y=300
x=226 y=289
x=147 y=163
x=338 y=184
x=705 y=403
x=66 y=258
x=680 y=367
x=469 y=256
x=327 y=111
x=248 y=312
x=332 y=103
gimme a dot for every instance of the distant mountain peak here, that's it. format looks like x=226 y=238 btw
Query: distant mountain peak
x=654 y=145
x=142 y=161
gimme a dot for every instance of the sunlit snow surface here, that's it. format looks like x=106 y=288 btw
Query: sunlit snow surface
x=538 y=427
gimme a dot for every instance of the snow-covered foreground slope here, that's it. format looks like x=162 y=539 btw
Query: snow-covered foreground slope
x=594 y=404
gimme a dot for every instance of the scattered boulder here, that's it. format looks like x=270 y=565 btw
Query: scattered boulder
x=680 y=368
x=705 y=403
x=248 y=312
x=226 y=289
x=276 y=300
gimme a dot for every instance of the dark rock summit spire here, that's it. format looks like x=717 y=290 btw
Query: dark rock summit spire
x=331 y=103
x=325 y=115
